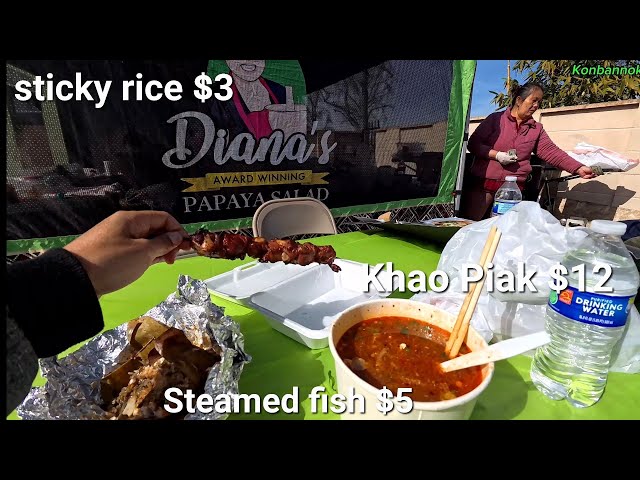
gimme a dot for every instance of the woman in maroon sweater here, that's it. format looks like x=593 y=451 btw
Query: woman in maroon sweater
x=511 y=130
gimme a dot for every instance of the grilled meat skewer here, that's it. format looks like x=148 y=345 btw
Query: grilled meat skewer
x=232 y=246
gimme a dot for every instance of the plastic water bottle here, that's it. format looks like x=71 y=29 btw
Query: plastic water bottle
x=507 y=196
x=586 y=326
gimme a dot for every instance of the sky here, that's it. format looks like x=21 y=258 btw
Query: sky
x=490 y=75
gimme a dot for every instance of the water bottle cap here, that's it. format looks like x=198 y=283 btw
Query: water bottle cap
x=608 y=227
x=511 y=179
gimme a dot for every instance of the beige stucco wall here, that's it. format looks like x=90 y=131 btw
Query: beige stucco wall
x=614 y=125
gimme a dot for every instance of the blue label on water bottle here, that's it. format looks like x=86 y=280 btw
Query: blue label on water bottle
x=591 y=308
x=500 y=207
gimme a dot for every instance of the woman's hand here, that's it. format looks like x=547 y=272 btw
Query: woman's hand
x=118 y=250
x=506 y=158
x=585 y=172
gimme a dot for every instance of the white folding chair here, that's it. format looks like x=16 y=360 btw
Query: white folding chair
x=286 y=217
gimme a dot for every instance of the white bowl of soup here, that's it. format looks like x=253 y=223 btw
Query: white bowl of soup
x=382 y=346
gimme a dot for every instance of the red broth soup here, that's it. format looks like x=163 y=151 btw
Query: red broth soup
x=399 y=352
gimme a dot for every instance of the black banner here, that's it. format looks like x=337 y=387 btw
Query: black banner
x=241 y=133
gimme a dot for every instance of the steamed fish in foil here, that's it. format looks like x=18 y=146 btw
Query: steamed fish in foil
x=186 y=341
x=157 y=357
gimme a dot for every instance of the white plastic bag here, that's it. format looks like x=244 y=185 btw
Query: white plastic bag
x=594 y=156
x=534 y=236
x=451 y=302
x=529 y=234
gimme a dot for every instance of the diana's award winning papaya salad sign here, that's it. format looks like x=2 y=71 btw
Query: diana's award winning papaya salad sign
x=211 y=140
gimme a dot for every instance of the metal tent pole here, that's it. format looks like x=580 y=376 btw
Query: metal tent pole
x=463 y=157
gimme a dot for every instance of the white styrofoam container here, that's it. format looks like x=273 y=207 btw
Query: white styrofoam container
x=305 y=306
x=300 y=302
x=243 y=281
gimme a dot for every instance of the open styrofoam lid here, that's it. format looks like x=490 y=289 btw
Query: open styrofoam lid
x=302 y=300
x=253 y=277
x=309 y=303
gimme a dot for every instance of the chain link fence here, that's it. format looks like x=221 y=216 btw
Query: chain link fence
x=343 y=224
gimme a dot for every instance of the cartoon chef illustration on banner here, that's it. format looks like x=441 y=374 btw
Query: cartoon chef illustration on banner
x=261 y=104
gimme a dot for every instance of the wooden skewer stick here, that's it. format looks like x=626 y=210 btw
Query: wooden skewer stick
x=456 y=339
x=467 y=298
x=462 y=334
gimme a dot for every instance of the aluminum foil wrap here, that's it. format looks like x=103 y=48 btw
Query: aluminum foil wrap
x=72 y=390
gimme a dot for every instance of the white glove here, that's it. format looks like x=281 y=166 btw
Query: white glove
x=506 y=158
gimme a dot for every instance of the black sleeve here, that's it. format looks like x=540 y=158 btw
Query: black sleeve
x=52 y=301
x=22 y=365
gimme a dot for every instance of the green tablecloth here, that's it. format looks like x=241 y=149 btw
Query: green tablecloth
x=279 y=363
